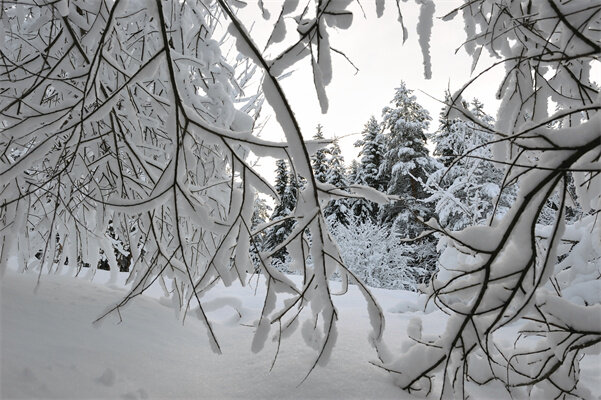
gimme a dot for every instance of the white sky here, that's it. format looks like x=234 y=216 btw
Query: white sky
x=375 y=47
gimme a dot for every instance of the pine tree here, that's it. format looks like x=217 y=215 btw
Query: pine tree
x=336 y=211
x=319 y=159
x=281 y=177
x=353 y=171
x=406 y=167
x=470 y=189
x=445 y=154
x=260 y=215
x=407 y=163
x=371 y=156
x=335 y=168
x=260 y=212
x=296 y=183
x=287 y=190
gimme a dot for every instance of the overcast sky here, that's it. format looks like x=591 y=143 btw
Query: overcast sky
x=375 y=46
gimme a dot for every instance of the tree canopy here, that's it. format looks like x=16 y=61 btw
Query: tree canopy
x=127 y=114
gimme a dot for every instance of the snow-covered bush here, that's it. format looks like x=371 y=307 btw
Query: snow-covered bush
x=376 y=255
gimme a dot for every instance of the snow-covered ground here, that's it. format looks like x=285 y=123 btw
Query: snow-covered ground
x=51 y=349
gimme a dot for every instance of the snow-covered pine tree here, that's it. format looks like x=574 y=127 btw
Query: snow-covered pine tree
x=353 y=171
x=471 y=187
x=406 y=163
x=276 y=234
x=261 y=212
x=281 y=177
x=319 y=160
x=405 y=167
x=337 y=211
x=445 y=153
x=371 y=155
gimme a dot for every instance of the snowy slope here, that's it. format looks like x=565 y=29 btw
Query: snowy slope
x=50 y=349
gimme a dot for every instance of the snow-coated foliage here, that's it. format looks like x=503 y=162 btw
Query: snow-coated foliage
x=127 y=111
x=319 y=160
x=406 y=163
x=470 y=188
x=405 y=168
x=375 y=254
x=372 y=147
x=513 y=274
x=108 y=106
x=337 y=211
x=281 y=224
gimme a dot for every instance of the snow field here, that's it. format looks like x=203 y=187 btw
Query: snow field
x=51 y=349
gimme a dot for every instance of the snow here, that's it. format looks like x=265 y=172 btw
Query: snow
x=341 y=20
x=318 y=80
x=63 y=8
x=380 y=8
x=424 y=30
x=488 y=272
x=51 y=349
